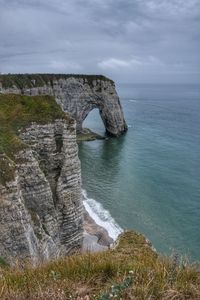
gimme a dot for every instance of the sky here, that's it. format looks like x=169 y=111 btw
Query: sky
x=130 y=41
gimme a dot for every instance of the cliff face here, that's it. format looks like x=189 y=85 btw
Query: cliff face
x=40 y=181
x=77 y=94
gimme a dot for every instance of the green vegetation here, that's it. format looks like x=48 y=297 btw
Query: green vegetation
x=88 y=135
x=22 y=81
x=17 y=112
x=130 y=271
x=3 y=262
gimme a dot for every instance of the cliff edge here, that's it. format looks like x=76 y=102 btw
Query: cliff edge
x=77 y=94
x=131 y=270
x=40 y=180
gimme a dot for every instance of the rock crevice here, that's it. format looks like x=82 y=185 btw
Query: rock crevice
x=41 y=209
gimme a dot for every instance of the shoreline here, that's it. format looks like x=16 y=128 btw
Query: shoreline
x=95 y=237
x=100 y=229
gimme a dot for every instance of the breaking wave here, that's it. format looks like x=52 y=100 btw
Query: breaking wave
x=101 y=216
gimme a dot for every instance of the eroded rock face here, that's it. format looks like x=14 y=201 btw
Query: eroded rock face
x=40 y=195
x=77 y=95
x=41 y=208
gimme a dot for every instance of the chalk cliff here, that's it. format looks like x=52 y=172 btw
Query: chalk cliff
x=40 y=180
x=41 y=212
x=77 y=94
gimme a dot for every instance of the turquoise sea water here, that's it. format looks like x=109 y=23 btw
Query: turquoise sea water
x=148 y=179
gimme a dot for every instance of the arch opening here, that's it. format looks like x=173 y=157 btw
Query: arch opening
x=94 y=122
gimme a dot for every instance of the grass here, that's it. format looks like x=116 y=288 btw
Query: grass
x=3 y=262
x=130 y=271
x=22 y=81
x=16 y=113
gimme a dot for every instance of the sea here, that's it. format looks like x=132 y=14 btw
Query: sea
x=148 y=180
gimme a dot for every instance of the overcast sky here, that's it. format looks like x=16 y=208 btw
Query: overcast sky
x=127 y=40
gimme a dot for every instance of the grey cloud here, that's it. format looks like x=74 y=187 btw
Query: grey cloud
x=125 y=39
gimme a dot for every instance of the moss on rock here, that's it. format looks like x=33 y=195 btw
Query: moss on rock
x=88 y=135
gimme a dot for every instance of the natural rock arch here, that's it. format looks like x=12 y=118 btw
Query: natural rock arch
x=80 y=98
x=77 y=94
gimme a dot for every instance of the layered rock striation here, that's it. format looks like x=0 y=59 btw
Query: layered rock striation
x=77 y=94
x=41 y=211
x=40 y=180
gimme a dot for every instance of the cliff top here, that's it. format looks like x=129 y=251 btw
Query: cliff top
x=130 y=271
x=32 y=80
x=17 y=112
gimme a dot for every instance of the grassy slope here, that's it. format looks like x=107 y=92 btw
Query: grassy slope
x=17 y=112
x=31 y=80
x=131 y=271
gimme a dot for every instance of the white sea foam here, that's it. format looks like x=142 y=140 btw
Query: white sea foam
x=132 y=100
x=101 y=216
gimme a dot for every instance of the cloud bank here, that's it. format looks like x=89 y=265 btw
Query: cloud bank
x=128 y=40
